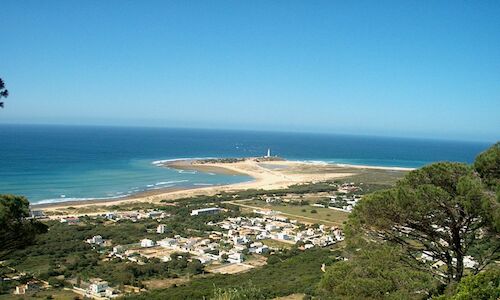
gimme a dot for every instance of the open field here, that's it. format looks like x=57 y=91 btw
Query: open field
x=303 y=213
x=55 y=294
x=277 y=244
x=230 y=268
x=157 y=252
x=164 y=283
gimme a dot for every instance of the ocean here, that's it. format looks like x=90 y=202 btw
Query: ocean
x=60 y=163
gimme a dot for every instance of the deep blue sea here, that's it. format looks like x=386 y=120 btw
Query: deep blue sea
x=57 y=163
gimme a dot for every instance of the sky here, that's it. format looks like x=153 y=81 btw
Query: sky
x=392 y=68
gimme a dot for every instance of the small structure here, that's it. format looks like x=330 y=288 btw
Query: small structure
x=28 y=288
x=205 y=211
x=98 y=287
x=118 y=249
x=235 y=258
x=70 y=220
x=110 y=215
x=155 y=214
x=283 y=236
x=96 y=239
x=160 y=228
x=167 y=242
x=147 y=243
x=36 y=214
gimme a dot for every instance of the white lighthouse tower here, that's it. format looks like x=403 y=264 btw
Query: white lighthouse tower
x=268 y=152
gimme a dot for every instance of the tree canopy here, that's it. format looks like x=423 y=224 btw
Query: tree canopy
x=4 y=93
x=375 y=272
x=440 y=213
x=16 y=230
x=487 y=164
x=485 y=285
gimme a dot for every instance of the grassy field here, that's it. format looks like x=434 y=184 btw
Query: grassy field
x=303 y=213
x=376 y=177
x=55 y=294
x=277 y=244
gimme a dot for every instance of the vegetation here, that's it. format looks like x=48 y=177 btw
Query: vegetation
x=376 y=272
x=442 y=212
x=293 y=271
x=62 y=253
x=4 y=93
x=16 y=230
x=245 y=292
x=485 y=285
x=487 y=164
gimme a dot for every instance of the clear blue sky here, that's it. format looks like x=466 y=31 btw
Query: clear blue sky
x=396 y=68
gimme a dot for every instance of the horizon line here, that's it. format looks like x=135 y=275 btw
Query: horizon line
x=442 y=139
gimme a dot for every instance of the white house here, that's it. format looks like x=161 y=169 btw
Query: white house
x=271 y=227
x=118 y=249
x=308 y=246
x=70 y=220
x=167 y=243
x=160 y=228
x=154 y=214
x=146 y=243
x=282 y=236
x=110 y=215
x=205 y=211
x=29 y=287
x=97 y=239
x=240 y=240
x=235 y=258
x=261 y=250
x=98 y=287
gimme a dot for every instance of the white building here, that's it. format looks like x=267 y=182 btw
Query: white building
x=167 y=243
x=160 y=228
x=205 y=211
x=97 y=239
x=271 y=227
x=308 y=246
x=283 y=236
x=240 y=240
x=98 y=287
x=110 y=215
x=118 y=249
x=262 y=250
x=146 y=243
x=235 y=258
x=155 y=214
x=28 y=288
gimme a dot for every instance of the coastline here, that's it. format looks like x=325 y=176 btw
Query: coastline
x=265 y=175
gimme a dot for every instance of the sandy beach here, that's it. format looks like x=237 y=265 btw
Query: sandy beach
x=267 y=175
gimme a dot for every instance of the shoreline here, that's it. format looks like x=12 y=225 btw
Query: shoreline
x=285 y=174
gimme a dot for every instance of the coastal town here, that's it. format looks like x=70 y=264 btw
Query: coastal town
x=241 y=241
x=227 y=249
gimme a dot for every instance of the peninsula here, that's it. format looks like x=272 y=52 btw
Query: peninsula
x=267 y=173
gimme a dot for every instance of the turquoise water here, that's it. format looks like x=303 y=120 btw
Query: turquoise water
x=57 y=163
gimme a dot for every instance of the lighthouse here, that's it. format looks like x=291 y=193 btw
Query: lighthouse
x=268 y=152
